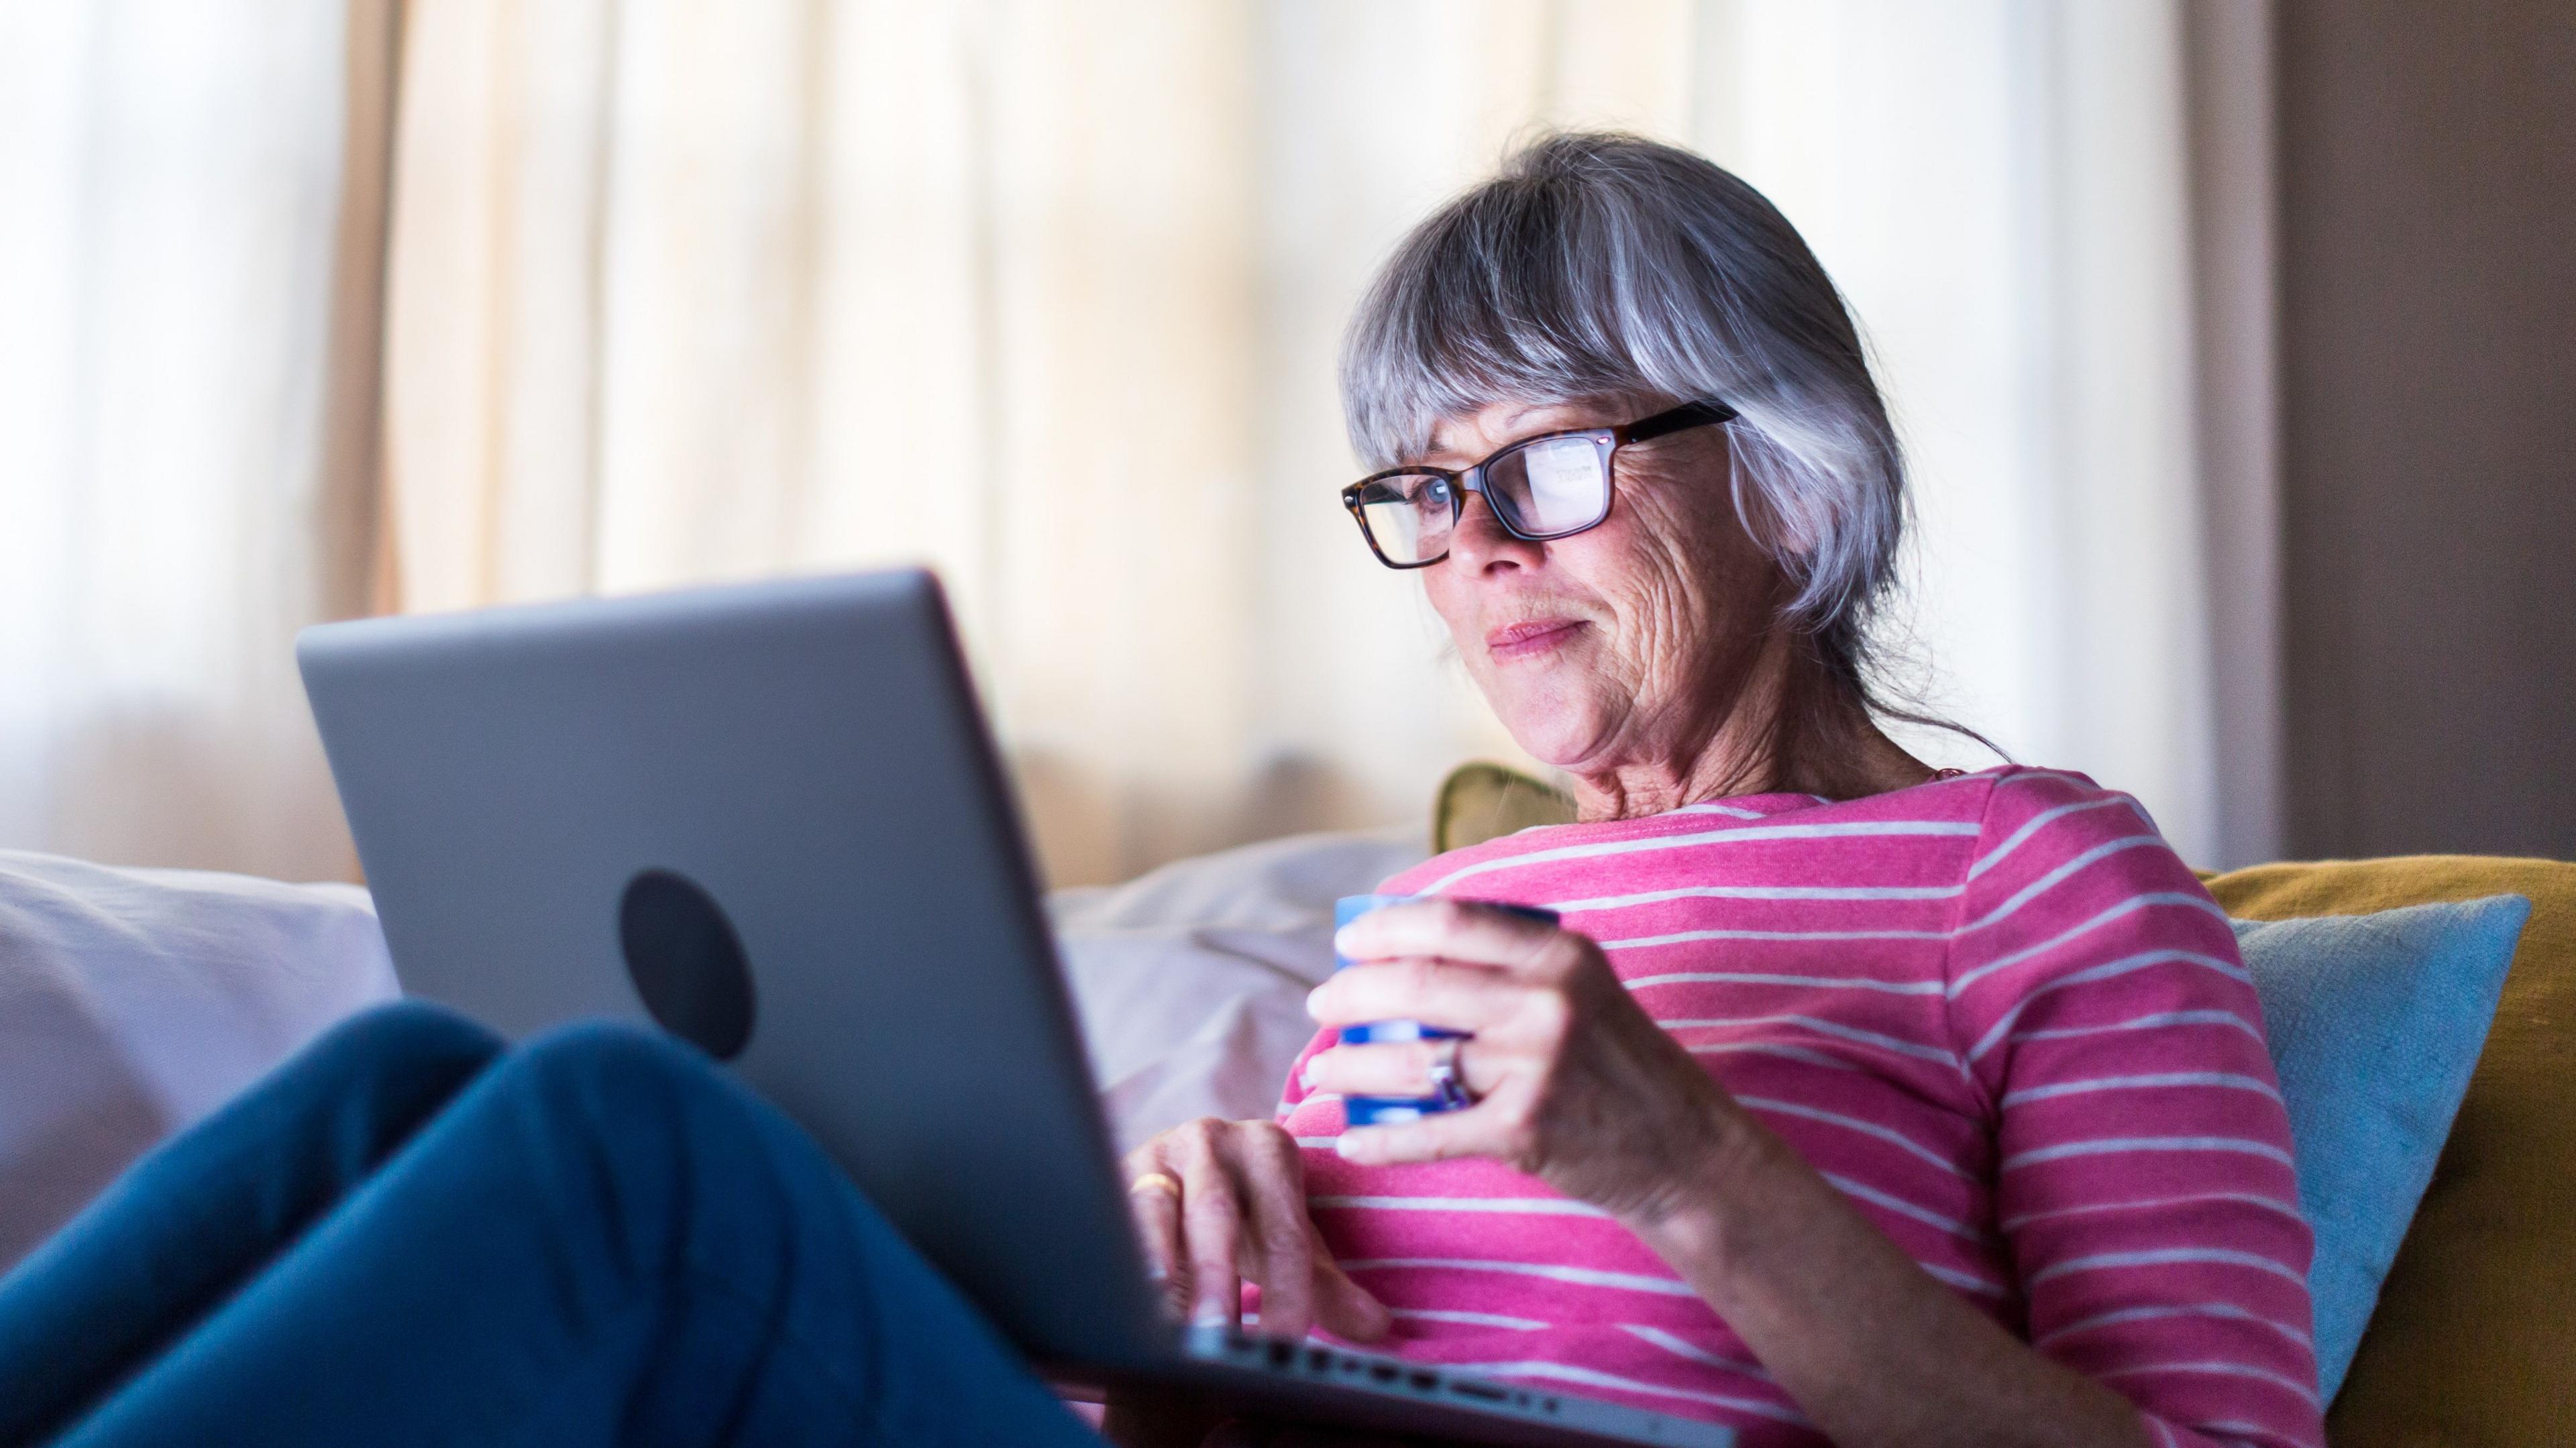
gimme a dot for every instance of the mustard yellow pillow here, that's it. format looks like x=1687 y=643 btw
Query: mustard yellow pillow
x=2474 y=1340
x=1481 y=801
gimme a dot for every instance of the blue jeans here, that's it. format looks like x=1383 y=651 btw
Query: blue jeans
x=410 y=1235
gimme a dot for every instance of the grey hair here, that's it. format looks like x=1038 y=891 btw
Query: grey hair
x=1598 y=266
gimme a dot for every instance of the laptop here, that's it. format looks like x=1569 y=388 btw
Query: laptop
x=769 y=819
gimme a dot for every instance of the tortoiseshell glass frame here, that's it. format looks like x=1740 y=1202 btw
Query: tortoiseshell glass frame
x=1703 y=412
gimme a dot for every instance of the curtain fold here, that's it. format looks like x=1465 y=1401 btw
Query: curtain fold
x=190 y=265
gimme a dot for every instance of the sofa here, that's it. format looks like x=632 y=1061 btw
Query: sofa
x=134 y=1001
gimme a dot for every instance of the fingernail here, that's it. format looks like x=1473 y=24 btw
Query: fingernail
x=1342 y=1145
x=1211 y=1314
x=1342 y=941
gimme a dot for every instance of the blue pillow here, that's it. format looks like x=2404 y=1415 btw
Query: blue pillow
x=2375 y=1022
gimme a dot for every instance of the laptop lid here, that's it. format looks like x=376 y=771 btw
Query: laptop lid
x=770 y=817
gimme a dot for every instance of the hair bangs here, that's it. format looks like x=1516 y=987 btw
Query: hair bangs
x=1500 y=297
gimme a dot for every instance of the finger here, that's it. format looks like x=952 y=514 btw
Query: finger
x=1455 y=930
x=1397 y=1068
x=1155 y=1199
x=1401 y=1068
x=1212 y=1229
x=1476 y=1131
x=1434 y=992
x=1274 y=1190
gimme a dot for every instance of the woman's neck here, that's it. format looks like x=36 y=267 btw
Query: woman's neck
x=1789 y=728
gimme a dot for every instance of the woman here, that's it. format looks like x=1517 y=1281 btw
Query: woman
x=1850 y=1100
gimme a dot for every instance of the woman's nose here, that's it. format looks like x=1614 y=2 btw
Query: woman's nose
x=1481 y=542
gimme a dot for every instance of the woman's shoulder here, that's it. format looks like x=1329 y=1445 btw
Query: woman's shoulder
x=2030 y=816
x=2056 y=851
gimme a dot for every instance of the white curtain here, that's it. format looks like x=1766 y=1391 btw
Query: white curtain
x=1046 y=294
x=2002 y=191
x=190 y=243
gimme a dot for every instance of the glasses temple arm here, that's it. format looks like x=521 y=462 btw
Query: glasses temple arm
x=1690 y=414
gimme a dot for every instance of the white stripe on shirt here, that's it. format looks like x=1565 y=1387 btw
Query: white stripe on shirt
x=1756 y=977
x=2166 y=1257
x=1578 y=1276
x=2226 y=1080
x=1471 y=1319
x=2126 y=907
x=2034 y=825
x=1866 y=1128
x=2141 y=1023
x=2124 y=965
x=1746 y=835
x=2151 y=1204
x=2227 y=1310
x=1532 y=1206
x=2222 y=1369
x=1835 y=1029
x=1759 y=892
x=2115 y=1145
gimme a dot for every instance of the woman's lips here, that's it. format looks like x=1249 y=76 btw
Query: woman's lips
x=1529 y=640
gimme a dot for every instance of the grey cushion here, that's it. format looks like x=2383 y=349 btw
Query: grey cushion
x=134 y=1002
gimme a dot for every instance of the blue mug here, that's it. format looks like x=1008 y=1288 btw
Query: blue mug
x=1384 y=1110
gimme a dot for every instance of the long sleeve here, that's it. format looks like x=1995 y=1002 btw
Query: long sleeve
x=2144 y=1182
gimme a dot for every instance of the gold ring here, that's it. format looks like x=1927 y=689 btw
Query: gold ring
x=1157 y=1180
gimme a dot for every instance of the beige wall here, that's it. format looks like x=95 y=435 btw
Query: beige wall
x=2428 y=249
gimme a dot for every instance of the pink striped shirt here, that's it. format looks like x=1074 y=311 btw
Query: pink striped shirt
x=1996 y=1011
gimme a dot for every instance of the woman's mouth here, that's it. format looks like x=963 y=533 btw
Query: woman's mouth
x=1529 y=640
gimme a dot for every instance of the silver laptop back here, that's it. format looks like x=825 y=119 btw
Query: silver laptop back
x=766 y=793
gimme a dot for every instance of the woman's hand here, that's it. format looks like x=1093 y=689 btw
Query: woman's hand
x=1224 y=1202
x=1577 y=1085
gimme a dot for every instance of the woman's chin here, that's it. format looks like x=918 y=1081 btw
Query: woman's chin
x=1551 y=713
x=1554 y=738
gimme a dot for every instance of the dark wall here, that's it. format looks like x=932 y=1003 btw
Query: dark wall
x=2428 y=334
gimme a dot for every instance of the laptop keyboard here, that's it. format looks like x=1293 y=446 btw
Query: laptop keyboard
x=1319 y=1363
x=1390 y=1377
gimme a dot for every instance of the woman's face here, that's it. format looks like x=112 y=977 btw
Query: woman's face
x=1626 y=645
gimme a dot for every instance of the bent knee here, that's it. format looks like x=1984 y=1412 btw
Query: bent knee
x=611 y=1088
x=643 y=1130
x=403 y=1038
x=609 y=1050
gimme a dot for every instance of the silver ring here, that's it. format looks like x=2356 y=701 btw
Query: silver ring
x=1448 y=1088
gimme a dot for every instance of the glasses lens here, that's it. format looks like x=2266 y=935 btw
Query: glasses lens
x=1559 y=485
x=1408 y=516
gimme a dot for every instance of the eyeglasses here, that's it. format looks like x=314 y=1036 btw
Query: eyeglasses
x=1554 y=485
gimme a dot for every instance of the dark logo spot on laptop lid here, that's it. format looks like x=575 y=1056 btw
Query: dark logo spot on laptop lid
x=686 y=962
